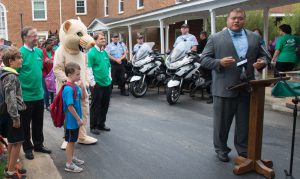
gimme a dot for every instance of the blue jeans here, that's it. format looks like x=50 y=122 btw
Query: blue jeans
x=47 y=95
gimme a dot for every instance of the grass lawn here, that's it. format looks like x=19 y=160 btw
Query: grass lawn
x=2 y=166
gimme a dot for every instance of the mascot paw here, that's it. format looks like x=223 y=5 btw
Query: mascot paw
x=87 y=140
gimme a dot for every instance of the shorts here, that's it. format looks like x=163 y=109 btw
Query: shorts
x=13 y=135
x=71 y=135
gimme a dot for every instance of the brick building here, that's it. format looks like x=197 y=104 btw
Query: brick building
x=45 y=15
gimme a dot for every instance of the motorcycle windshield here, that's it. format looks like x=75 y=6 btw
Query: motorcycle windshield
x=179 y=51
x=143 y=51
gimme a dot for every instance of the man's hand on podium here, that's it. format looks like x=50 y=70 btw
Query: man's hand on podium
x=259 y=64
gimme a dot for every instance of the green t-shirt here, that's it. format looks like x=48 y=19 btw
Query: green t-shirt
x=30 y=74
x=49 y=54
x=100 y=64
x=287 y=46
x=55 y=47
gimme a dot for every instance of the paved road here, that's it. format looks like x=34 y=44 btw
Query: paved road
x=151 y=139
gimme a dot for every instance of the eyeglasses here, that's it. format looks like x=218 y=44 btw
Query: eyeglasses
x=31 y=35
x=237 y=18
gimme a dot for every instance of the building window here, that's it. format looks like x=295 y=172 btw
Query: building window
x=80 y=6
x=39 y=10
x=121 y=6
x=140 y=4
x=3 y=22
x=42 y=35
x=180 y=1
x=105 y=7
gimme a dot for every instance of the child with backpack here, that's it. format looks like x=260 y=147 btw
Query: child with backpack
x=11 y=104
x=73 y=113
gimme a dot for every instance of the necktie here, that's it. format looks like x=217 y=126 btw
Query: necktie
x=237 y=34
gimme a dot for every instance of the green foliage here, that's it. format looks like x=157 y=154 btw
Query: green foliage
x=293 y=19
x=2 y=166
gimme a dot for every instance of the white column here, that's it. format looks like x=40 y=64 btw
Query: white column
x=167 y=37
x=213 y=20
x=108 y=36
x=130 y=42
x=205 y=24
x=120 y=37
x=162 y=39
x=185 y=21
x=266 y=32
x=266 y=24
x=60 y=13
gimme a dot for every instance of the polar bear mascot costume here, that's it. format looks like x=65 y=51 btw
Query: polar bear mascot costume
x=72 y=34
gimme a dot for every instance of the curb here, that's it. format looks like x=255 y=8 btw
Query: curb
x=42 y=166
x=278 y=104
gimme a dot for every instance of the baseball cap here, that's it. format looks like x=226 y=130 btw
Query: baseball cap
x=185 y=26
x=139 y=36
x=115 y=35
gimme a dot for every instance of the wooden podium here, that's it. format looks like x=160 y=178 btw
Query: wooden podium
x=256 y=116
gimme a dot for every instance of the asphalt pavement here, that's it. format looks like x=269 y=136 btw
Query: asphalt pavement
x=150 y=139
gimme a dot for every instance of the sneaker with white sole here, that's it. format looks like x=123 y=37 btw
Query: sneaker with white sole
x=77 y=161
x=73 y=168
x=63 y=145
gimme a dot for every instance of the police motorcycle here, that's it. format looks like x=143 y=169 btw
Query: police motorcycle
x=148 y=70
x=184 y=69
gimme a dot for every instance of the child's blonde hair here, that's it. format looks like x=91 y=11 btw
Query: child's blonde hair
x=10 y=53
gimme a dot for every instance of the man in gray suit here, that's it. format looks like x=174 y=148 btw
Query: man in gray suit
x=232 y=55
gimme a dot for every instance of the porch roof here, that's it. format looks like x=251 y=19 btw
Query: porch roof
x=190 y=10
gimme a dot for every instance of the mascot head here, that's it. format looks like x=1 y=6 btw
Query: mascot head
x=72 y=34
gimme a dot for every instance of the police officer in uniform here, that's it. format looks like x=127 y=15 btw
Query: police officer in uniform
x=140 y=42
x=186 y=36
x=117 y=52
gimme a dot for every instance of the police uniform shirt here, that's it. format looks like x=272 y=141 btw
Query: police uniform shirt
x=186 y=37
x=116 y=49
x=136 y=47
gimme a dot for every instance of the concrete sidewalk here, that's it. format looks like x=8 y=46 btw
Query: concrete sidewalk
x=278 y=104
x=42 y=166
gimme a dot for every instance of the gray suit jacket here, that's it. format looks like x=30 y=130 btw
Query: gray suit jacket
x=220 y=45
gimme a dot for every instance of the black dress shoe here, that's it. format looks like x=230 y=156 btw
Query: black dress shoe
x=29 y=155
x=95 y=131
x=124 y=93
x=223 y=157
x=43 y=150
x=243 y=155
x=104 y=128
x=209 y=101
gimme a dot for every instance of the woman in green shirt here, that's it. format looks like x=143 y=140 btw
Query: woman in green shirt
x=285 y=50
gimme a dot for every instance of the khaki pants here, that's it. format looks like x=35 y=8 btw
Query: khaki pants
x=85 y=114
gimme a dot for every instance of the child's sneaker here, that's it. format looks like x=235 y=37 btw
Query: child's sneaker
x=19 y=170
x=13 y=176
x=77 y=161
x=73 y=168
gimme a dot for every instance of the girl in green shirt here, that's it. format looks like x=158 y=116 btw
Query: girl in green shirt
x=285 y=52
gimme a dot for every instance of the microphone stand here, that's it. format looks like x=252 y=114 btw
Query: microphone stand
x=289 y=175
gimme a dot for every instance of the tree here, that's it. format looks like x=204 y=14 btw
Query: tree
x=293 y=19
